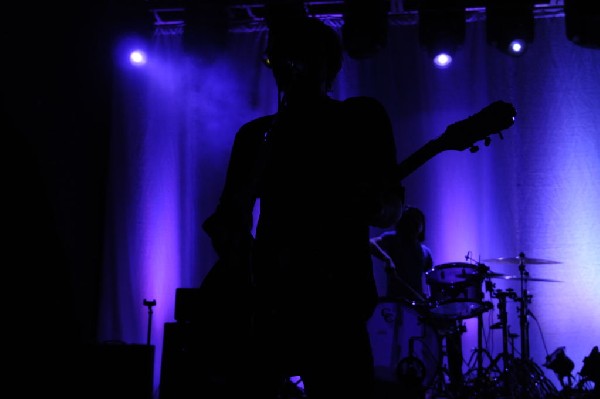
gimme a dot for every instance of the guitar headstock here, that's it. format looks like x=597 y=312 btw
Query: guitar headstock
x=492 y=119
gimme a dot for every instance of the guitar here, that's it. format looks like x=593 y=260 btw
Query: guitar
x=463 y=134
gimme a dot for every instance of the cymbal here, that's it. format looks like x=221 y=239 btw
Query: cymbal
x=516 y=260
x=528 y=278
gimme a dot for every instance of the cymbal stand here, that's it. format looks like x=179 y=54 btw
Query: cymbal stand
x=487 y=378
x=524 y=301
x=489 y=287
x=503 y=316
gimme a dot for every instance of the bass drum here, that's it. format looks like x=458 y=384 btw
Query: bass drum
x=405 y=346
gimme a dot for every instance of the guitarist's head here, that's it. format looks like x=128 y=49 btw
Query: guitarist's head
x=305 y=55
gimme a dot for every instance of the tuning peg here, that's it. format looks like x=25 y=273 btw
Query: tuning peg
x=501 y=136
x=487 y=141
x=474 y=149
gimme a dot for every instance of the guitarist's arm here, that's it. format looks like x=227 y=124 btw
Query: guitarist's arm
x=375 y=191
x=230 y=226
x=418 y=158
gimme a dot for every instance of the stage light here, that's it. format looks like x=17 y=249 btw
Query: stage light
x=582 y=22
x=517 y=47
x=206 y=30
x=132 y=27
x=510 y=25
x=365 y=27
x=138 y=57
x=442 y=60
x=441 y=29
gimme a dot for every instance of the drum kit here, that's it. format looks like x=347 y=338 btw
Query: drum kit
x=456 y=294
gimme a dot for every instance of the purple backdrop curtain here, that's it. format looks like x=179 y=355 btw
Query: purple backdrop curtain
x=536 y=191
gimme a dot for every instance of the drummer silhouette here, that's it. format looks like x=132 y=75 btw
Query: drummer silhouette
x=407 y=261
x=406 y=256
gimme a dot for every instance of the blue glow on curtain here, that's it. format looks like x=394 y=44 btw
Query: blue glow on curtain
x=535 y=192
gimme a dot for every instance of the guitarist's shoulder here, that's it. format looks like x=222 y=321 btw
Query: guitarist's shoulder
x=365 y=105
x=256 y=127
x=362 y=102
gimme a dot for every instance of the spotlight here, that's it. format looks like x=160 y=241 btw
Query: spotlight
x=442 y=60
x=582 y=23
x=132 y=25
x=510 y=25
x=138 y=57
x=441 y=28
x=132 y=51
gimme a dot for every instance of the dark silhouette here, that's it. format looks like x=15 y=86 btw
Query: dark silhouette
x=406 y=256
x=324 y=171
x=407 y=259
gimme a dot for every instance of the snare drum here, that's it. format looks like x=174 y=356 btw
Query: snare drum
x=456 y=291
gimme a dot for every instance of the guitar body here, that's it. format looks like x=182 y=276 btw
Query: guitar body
x=225 y=302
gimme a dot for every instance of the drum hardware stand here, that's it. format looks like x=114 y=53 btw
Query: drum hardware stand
x=536 y=381
x=503 y=316
x=411 y=366
x=485 y=377
x=489 y=287
x=446 y=377
x=505 y=355
x=412 y=370
x=524 y=300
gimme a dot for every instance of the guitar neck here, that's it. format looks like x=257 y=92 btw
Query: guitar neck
x=418 y=158
x=463 y=134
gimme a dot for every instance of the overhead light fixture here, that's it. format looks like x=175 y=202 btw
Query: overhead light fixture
x=138 y=57
x=582 y=23
x=510 y=25
x=206 y=27
x=441 y=27
x=365 y=27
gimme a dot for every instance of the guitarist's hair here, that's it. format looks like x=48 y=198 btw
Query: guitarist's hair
x=310 y=40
